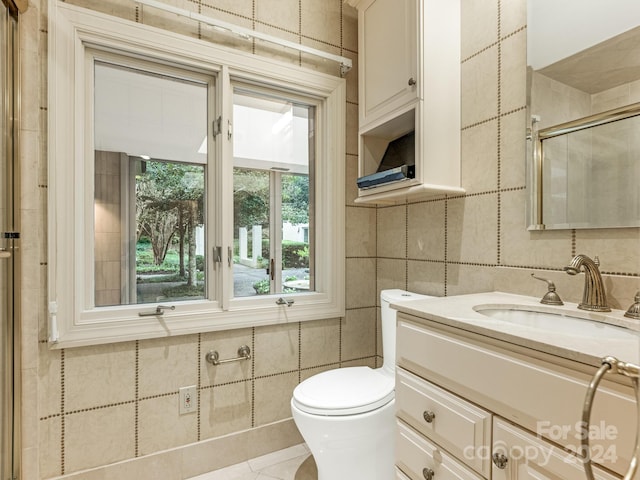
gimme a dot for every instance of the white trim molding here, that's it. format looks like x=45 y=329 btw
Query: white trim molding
x=74 y=322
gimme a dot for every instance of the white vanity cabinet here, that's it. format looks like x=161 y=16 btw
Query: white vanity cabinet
x=409 y=81
x=474 y=397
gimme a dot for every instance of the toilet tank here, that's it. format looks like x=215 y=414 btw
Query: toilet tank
x=388 y=319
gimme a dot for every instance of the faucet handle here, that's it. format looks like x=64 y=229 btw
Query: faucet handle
x=634 y=309
x=551 y=297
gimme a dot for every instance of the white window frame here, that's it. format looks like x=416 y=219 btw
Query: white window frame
x=73 y=323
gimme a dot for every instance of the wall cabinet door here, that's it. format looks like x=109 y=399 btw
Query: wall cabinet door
x=388 y=43
x=519 y=455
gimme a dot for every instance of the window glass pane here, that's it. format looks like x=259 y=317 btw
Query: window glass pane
x=251 y=198
x=149 y=227
x=295 y=233
x=274 y=148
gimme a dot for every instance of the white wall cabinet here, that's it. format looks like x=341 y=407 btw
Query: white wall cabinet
x=409 y=81
x=476 y=397
x=388 y=35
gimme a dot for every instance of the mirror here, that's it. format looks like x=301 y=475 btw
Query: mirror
x=583 y=78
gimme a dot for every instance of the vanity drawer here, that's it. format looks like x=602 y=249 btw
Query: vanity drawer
x=544 y=397
x=417 y=457
x=459 y=426
x=527 y=457
x=400 y=475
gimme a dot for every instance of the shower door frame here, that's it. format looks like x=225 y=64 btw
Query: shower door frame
x=10 y=381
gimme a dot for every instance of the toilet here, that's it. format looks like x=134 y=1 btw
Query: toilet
x=347 y=415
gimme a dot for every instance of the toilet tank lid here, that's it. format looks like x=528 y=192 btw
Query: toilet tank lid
x=397 y=295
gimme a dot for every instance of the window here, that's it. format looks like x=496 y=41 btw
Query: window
x=149 y=187
x=188 y=191
x=273 y=180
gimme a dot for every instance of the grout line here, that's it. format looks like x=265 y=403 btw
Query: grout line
x=300 y=30
x=198 y=389
x=62 y=411
x=499 y=227
x=253 y=25
x=406 y=250
x=299 y=350
x=253 y=377
x=499 y=149
x=340 y=332
x=446 y=246
x=495 y=117
x=200 y=23
x=136 y=433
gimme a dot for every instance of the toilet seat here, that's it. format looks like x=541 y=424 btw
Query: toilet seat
x=344 y=391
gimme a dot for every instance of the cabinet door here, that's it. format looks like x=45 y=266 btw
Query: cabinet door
x=388 y=43
x=523 y=456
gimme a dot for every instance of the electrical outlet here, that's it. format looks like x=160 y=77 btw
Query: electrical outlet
x=188 y=399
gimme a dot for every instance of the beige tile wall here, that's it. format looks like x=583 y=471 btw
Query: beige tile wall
x=478 y=241
x=96 y=406
x=89 y=406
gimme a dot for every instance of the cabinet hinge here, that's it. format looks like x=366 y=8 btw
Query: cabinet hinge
x=53 y=322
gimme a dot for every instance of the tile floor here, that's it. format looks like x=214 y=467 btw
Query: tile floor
x=294 y=463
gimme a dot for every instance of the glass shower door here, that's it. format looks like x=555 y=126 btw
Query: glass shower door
x=9 y=238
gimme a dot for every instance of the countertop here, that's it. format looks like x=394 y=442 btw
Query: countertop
x=601 y=334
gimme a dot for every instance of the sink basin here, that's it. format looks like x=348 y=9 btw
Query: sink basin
x=556 y=323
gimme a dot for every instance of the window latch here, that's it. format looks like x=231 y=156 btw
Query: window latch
x=217 y=126
x=217 y=254
x=159 y=311
x=229 y=129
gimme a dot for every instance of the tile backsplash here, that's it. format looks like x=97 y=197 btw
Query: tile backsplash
x=92 y=406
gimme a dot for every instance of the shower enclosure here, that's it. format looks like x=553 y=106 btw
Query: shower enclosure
x=9 y=242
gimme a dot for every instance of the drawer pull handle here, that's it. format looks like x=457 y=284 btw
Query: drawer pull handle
x=428 y=416
x=428 y=474
x=500 y=460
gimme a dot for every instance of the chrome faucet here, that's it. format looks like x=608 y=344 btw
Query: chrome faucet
x=594 y=297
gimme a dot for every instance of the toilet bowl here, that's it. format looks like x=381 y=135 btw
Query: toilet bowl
x=346 y=415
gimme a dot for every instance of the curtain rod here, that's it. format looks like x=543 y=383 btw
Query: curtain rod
x=345 y=63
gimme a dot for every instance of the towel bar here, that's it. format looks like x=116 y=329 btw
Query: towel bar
x=244 y=353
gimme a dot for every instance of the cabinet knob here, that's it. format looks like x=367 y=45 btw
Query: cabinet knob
x=427 y=473
x=412 y=82
x=428 y=416
x=500 y=460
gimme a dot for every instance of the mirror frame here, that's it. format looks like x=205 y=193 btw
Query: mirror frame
x=536 y=136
